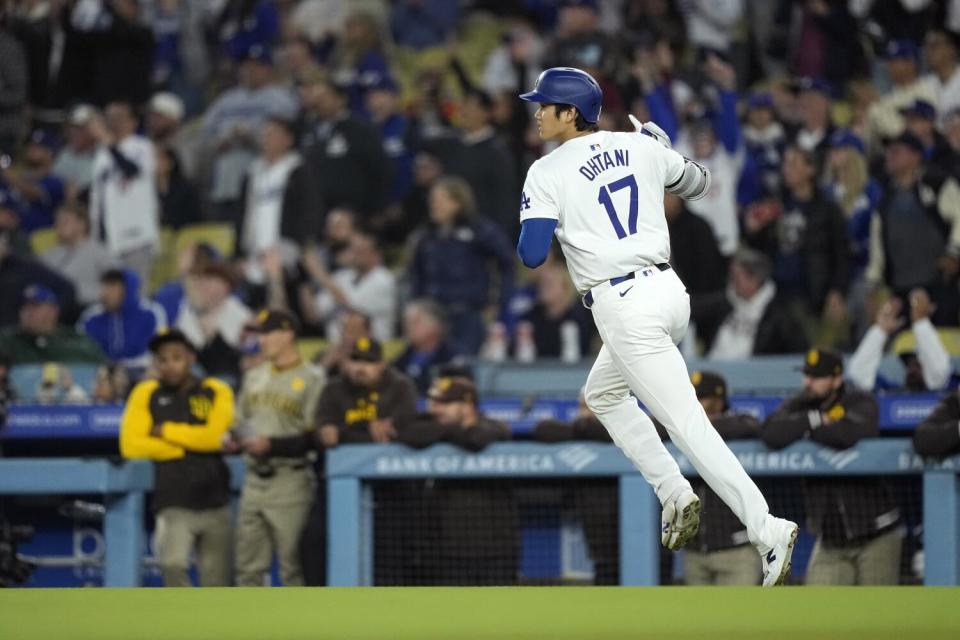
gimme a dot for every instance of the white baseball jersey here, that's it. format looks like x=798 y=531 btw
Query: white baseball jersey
x=605 y=190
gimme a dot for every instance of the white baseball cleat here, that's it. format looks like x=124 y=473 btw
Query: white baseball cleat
x=680 y=520
x=776 y=562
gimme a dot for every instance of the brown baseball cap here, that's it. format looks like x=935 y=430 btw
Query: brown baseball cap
x=367 y=350
x=276 y=320
x=822 y=363
x=708 y=384
x=453 y=389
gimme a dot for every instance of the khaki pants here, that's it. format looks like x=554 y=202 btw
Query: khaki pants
x=875 y=562
x=736 y=566
x=273 y=513
x=207 y=532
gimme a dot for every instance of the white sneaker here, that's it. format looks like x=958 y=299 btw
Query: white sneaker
x=776 y=562
x=680 y=520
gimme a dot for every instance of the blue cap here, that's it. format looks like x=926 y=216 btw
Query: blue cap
x=39 y=294
x=45 y=138
x=808 y=83
x=258 y=52
x=383 y=82
x=901 y=49
x=920 y=108
x=909 y=140
x=760 y=101
x=847 y=138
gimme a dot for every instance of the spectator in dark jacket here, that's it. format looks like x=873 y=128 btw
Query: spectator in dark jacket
x=939 y=434
x=916 y=240
x=694 y=250
x=856 y=519
x=40 y=337
x=451 y=263
x=123 y=323
x=807 y=242
x=179 y=200
x=481 y=158
x=342 y=152
x=562 y=327
x=17 y=273
x=750 y=317
x=13 y=93
x=920 y=119
x=121 y=46
x=424 y=329
x=478 y=522
x=281 y=207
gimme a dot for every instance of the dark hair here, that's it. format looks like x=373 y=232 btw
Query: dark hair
x=952 y=38
x=287 y=125
x=755 y=263
x=480 y=96
x=113 y=275
x=580 y=123
x=808 y=156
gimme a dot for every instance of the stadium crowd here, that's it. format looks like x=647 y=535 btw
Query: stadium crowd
x=170 y=168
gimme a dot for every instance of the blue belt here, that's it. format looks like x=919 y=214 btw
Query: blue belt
x=588 y=299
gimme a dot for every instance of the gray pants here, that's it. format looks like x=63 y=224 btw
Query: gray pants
x=736 y=566
x=273 y=514
x=206 y=532
x=141 y=262
x=875 y=562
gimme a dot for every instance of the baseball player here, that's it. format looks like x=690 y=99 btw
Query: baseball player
x=601 y=194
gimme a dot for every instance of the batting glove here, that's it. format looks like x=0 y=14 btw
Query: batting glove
x=652 y=130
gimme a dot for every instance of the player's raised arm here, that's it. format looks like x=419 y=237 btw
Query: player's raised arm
x=689 y=180
x=693 y=182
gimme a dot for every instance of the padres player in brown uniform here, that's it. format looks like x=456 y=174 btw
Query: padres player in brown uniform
x=178 y=421
x=277 y=405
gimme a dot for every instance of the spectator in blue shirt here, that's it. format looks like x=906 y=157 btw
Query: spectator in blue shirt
x=244 y=24
x=123 y=323
x=764 y=139
x=397 y=137
x=451 y=263
x=39 y=189
x=425 y=331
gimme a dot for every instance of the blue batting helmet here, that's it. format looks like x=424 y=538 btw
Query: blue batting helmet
x=566 y=85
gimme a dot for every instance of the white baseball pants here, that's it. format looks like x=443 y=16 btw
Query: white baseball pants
x=641 y=321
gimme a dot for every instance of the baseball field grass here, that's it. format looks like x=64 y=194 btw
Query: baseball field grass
x=503 y=613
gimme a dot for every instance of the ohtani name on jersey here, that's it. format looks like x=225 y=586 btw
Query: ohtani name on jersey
x=603 y=161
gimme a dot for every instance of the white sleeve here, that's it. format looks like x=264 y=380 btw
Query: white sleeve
x=934 y=359
x=374 y=296
x=539 y=199
x=673 y=164
x=865 y=361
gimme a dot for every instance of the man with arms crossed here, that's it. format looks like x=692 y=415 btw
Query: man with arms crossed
x=601 y=193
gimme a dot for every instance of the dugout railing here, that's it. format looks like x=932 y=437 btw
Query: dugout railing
x=353 y=470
